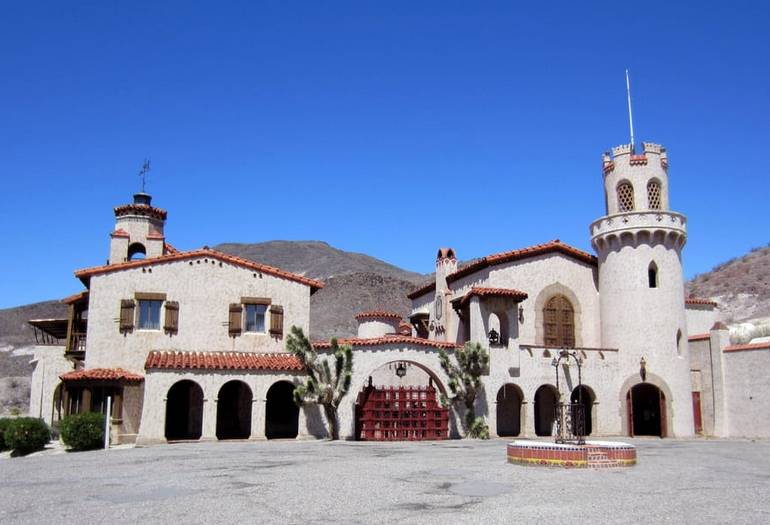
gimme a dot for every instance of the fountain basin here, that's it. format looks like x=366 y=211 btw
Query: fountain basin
x=593 y=454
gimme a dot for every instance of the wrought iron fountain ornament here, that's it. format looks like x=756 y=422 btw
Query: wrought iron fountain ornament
x=570 y=417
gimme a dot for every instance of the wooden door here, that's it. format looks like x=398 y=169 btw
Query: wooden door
x=696 y=413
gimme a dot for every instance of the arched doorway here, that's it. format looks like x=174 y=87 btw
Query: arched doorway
x=184 y=411
x=646 y=406
x=234 y=411
x=401 y=402
x=585 y=396
x=546 y=398
x=509 y=399
x=281 y=414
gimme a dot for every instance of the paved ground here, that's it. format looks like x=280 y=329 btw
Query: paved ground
x=446 y=482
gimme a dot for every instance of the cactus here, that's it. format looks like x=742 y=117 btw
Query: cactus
x=472 y=361
x=324 y=386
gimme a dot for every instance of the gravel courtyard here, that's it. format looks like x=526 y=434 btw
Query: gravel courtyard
x=443 y=482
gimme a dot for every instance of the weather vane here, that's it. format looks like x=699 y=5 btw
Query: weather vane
x=143 y=172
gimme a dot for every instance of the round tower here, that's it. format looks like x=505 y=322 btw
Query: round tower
x=639 y=245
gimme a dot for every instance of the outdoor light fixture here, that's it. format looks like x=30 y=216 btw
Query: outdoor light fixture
x=521 y=314
x=643 y=369
x=494 y=337
x=401 y=369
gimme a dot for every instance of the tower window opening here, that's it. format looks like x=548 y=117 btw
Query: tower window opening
x=625 y=197
x=653 y=195
x=652 y=275
x=136 y=251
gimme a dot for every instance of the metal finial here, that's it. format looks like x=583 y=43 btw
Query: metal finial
x=143 y=172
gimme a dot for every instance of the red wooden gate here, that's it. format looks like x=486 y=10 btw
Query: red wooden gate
x=401 y=414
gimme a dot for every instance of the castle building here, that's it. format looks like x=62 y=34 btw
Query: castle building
x=191 y=345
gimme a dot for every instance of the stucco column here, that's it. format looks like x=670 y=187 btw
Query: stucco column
x=528 y=415
x=719 y=339
x=302 y=432
x=209 y=419
x=258 y=407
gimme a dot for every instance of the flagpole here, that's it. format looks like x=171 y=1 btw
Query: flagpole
x=630 y=115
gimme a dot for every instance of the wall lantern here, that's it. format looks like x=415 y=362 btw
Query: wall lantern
x=643 y=369
x=521 y=314
x=494 y=337
x=401 y=369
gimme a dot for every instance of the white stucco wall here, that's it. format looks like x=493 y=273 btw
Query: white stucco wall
x=747 y=389
x=49 y=364
x=700 y=318
x=204 y=289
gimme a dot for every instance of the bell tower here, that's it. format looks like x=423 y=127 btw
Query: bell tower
x=639 y=245
x=138 y=230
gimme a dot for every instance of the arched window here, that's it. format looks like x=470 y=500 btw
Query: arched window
x=625 y=196
x=559 y=322
x=653 y=195
x=652 y=275
x=136 y=251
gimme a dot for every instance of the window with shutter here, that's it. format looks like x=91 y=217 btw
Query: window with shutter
x=171 y=321
x=126 y=315
x=234 y=320
x=276 y=320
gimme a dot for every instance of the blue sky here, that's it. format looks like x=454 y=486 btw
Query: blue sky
x=389 y=128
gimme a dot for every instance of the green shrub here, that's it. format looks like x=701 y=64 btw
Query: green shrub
x=83 y=431
x=27 y=434
x=4 y=424
x=479 y=429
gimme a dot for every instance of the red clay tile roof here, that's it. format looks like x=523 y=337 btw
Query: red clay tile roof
x=155 y=235
x=141 y=209
x=119 y=233
x=518 y=295
x=86 y=273
x=75 y=297
x=696 y=300
x=555 y=246
x=404 y=328
x=388 y=340
x=102 y=374
x=422 y=290
x=221 y=361
x=168 y=249
x=748 y=347
x=375 y=314
x=699 y=337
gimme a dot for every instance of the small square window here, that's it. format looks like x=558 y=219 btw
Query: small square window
x=149 y=314
x=255 y=318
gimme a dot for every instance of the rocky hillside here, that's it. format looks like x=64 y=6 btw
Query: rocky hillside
x=741 y=286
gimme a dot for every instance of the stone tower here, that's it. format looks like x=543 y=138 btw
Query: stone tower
x=440 y=318
x=138 y=230
x=639 y=244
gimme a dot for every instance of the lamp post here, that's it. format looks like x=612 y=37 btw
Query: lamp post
x=577 y=430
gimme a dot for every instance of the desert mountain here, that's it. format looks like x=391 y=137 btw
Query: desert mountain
x=741 y=286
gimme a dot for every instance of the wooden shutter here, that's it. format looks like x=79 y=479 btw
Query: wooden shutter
x=276 y=320
x=171 y=321
x=234 y=322
x=127 y=315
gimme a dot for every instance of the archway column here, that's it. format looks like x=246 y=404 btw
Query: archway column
x=209 y=419
x=528 y=415
x=258 y=406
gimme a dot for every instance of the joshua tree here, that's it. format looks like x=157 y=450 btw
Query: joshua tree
x=465 y=382
x=324 y=386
